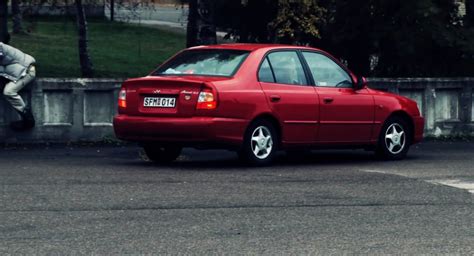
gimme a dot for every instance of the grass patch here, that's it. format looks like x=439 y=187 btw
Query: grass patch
x=116 y=49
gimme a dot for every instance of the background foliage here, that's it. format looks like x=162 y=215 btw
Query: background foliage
x=375 y=37
x=117 y=49
x=386 y=38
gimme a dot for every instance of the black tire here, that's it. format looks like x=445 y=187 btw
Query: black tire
x=267 y=147
x=394 y=147
x=161 y=153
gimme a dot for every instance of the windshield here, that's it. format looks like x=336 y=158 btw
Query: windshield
x=213 y=62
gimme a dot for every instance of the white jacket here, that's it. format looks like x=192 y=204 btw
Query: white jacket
x=13 y=62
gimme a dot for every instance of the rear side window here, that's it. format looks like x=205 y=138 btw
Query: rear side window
x=209 y=62
x=326 y=72
x=287 y=68
x=265 y=74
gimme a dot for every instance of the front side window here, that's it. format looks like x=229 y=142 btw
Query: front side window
x=287 y=68
x=212 y=62
x=326 y=72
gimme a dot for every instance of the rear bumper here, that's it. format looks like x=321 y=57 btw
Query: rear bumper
x=419 y=123
x=185 y=131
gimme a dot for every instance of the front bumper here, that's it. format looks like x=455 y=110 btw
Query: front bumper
x=419 y=123
x=184 y=130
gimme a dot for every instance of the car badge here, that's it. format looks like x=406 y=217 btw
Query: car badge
x=156 y=91
x=187 y=95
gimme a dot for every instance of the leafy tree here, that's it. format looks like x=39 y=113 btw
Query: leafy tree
x=375 y=37
x=347 y=33
x=297 y=22
x=258 y=21
x=420 y=38
x=398 y=37
x=265 y=21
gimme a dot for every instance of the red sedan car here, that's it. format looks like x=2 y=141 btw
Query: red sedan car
x=257 y=99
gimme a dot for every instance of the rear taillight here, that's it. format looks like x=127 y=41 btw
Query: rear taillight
x=122 y=100
x=206 y=100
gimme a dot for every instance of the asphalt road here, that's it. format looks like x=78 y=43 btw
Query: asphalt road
x=108 y=200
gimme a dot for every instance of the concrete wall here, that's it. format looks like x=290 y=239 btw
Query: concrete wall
x=82 y=109
x=66 y=110
x=446 y=103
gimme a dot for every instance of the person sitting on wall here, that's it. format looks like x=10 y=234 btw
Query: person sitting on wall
x=19 y=70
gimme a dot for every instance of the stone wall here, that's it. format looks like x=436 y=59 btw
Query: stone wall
x=446 y=103
x=72 y=110
x=66 y=110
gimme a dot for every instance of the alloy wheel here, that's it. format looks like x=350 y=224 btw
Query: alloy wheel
x=261 y=142
x=395 y=138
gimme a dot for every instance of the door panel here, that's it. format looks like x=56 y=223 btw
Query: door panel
x=286 y=88
x=346 y=116
x=297 y=108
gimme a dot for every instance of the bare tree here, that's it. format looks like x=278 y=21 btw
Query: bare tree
x=84 y=58
x=16 y=15
x=4 y=36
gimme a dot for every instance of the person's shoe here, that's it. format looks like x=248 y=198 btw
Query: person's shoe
x=18 y=126
x=28 y=118
x=27 y=121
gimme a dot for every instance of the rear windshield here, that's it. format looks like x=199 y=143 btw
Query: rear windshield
x=212 y=62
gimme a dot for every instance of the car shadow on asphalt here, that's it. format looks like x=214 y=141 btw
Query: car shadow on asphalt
x=226 y=160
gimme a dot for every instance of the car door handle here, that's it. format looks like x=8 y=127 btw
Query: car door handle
x=328 y=100
x=275 y=98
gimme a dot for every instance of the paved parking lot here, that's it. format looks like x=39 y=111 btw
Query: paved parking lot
x=108 y=200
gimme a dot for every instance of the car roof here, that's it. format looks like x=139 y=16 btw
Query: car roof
x=249 y=47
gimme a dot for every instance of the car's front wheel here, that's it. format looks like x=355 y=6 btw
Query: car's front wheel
x=394 y=139
x=260 y=142
x=162 y=153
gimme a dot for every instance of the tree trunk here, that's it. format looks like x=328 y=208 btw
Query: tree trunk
x=84 y=59
x=192 y=29
x=201 y=28
x=16 y=16
x=112 y=10
x=470 y=12
x=4 y=36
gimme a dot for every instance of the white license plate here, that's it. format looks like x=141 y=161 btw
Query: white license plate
x=159 y=102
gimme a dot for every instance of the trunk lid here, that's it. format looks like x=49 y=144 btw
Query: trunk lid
x=155 y=95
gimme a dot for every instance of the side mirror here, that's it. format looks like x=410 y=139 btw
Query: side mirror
x=361 y=83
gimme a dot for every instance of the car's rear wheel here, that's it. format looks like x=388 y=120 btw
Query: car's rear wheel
x=394 y=139
x=162 y=153
x=260 y=142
